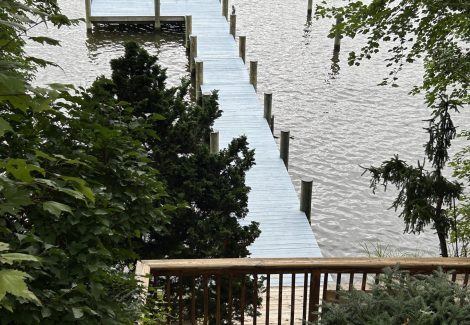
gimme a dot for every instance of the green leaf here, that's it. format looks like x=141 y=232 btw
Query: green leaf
x=21 y=170
x=56 y=208
x=10 y=258
x=77 y=312
x=4 y=247
x=45 y=40
x=4 y=127
x=13 y=282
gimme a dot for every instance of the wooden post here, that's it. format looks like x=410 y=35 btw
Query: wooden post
x=157 y=14
x=192 y=51
x=242 y=47
x=337 y=45
x=268 y=107
x=89 y=25
x=254 y=73
x=284 y=144
x=214 y=142
x=271 y=125
x=233 y=25
x=310 y=8
x=199 y=80
x=225 y=8
x=188 y=29
x=306 y=197
x=205 y=98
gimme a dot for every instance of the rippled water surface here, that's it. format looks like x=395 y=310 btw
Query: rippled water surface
x=340 y=119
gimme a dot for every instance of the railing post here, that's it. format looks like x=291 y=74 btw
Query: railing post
x=199 y=80
x=188 y=29
x=284 y=144
x=225 y=8
x=233 y=25
x=89 y=25
x=214 y=142
x=192 y=51
x=254 y=73
x=242 y=47
x=306 y=197
x=157 y=14
x=268 y=106
x=337 y=45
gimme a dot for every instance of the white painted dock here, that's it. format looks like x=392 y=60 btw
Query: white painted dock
x=273 y=202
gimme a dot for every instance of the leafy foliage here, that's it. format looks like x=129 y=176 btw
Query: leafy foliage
x=400 y=298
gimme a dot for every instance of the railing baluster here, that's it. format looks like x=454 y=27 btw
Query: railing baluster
x=206 y=299
x=292 y=300
x=255 y=297
x=314 y=299
x=465 y=280
x=364 y=282
x=325 y=287
x=377 y=278
x=351 y=281
x=304 y=307
x=242 y=301
x=230 y=299
x=454 y=276
x=268 y=296
x=193 y=301
x=168 y=297
x=279 y=306
x=180 y=301
x=338 y=285
x=218 y=279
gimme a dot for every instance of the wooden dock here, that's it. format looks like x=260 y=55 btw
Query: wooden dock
x=273 y=202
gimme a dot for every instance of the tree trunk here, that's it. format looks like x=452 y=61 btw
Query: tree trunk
x=442 y=242
x=440 y=226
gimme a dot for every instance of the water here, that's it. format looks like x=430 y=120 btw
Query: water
x=341 y=119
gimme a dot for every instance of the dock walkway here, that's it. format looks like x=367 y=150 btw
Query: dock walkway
x=273 y=202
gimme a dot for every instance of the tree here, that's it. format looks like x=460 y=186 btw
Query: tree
x=436 y=33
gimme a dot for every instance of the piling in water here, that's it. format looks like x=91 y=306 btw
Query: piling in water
x=242 y=47
x=214 y=142
x=306 y=197
x=284 y=144
x=254 y=73
x=233 y=25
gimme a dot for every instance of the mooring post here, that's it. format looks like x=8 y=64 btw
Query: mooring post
x=233 y=25
x=205 y=98
x=214 y=142
x=271 y=125
x=284 y=144
x=89 y=25
x=192 y=51
x=225 y=8
x=306 y=198
x=268 y=107
x=254 y=73
x=242 y=47
x=199 y=80
x=157 y=14
x=188 y=30
x=310 y=8
x=337 y=45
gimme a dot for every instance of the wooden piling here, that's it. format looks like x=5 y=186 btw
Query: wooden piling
x=199 y=80
x=188 y=24
x=310 y=8
x=157 y=14
x=214 y=142
x=205 y=98
x=89 y=25
x=271 y=125
x=306 y=197
x=225 y=8
x=268 y=107
x=284 y=144
x=233 y=25
x=254 y=74
x=242 y=47
x=192 y=51
x=337 y=45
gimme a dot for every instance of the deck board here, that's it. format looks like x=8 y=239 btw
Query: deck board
x=273 y=202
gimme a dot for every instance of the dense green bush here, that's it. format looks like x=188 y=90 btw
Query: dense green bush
x=402 y=299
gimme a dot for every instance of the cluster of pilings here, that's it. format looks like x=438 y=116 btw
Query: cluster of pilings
x=196 y=67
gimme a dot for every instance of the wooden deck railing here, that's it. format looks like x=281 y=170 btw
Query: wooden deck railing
x=284 y=291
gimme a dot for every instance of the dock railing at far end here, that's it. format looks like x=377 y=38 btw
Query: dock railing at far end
x=292 y=289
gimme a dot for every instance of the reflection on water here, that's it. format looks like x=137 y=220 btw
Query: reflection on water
x=339 y=117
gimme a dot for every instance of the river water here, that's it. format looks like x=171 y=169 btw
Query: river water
x=339 y=117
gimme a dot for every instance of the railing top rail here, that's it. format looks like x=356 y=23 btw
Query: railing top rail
x=280 y=265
